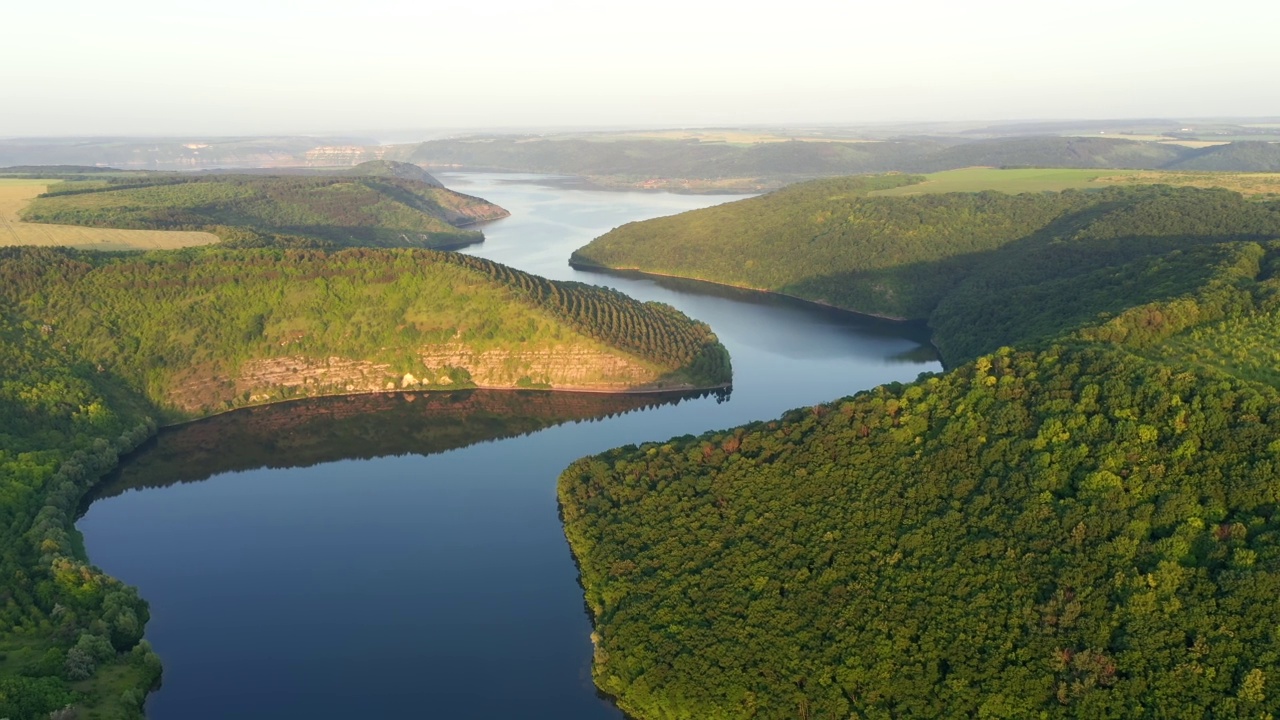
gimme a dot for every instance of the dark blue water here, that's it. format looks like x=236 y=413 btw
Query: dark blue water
x=422 y=576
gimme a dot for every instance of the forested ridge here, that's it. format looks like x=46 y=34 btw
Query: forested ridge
x=251 y=210
x=168 y=320
x=100 y=348
x=958 y=260
x=62 y=424
x=1083 y=525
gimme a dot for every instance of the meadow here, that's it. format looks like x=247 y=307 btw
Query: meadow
x=15 y=194
x=1020 y=180
x=1014 y=180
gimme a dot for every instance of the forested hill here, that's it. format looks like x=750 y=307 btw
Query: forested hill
x=96 y=349
x=1078 y=533
x=202 y=330
x=1081 y=526
x=1238 y=156
x=977 y=266
x=247 y=210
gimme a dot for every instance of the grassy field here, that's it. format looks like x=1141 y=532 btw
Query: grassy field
x=1244 y=183
x=1011 y=181
x=1020 y=180
x=15 y=194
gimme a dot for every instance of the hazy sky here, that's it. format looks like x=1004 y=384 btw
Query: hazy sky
x=263 y=66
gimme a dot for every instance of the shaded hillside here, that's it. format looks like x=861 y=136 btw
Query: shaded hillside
x=977 y=266
x=249 y=209
x=1237 y=156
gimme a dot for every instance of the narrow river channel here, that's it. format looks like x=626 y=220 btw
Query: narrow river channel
x=401 y=556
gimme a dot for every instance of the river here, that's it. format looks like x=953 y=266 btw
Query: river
x=402 y=555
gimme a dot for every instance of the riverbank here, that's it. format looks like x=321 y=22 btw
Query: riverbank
x=642 y=274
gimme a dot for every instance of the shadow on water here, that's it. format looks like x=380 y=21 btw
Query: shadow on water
x=867 y=325
x=322 y=430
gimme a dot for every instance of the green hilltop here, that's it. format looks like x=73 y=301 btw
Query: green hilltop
x=393 y=169
x=1082 y=525
x=976 y=266
x=368 y=208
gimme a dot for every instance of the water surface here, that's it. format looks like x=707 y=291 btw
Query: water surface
x=402 y=556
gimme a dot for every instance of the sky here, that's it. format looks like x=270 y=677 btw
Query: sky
x=237 y=67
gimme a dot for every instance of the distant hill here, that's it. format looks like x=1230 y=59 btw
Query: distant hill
x=642 y=161
x=255 y=209
x=393 y=169
x=44 y=171
x=191 y=153
x=695 y=161
x=1055 y=152
x=1237 y=156
x=600 y=155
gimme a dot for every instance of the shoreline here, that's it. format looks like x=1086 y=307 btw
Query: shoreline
x=637 y=273
x=678 y=390
x=623 y=272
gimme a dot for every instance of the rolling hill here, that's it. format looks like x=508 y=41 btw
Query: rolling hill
x=250 y=209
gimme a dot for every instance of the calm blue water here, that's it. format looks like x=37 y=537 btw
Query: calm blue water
x=419 y=577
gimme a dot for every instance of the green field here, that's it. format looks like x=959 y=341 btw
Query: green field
x=16 y=194
x=1019 y=180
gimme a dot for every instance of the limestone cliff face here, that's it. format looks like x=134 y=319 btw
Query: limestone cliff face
x=443 y=367
x=462 y=210
x=338 y=155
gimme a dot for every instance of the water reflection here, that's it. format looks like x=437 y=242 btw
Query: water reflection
x=361 y=427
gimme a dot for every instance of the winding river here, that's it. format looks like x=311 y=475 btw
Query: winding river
x=401 y=555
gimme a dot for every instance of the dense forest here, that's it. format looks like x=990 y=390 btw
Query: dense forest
x=69 y=629
x=99 y=348
x=977 y=266
x=373 y=208
x=1072 y=533
x=1084 y=526
x=204 y=330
